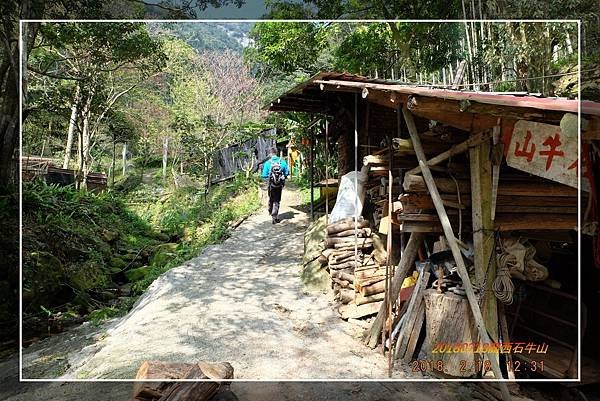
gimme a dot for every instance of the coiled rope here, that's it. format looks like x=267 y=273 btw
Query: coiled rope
x=503 y=286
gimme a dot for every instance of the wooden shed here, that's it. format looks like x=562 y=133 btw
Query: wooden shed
x=481 y=177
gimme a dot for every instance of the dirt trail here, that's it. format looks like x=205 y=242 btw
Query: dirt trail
x=241 y=301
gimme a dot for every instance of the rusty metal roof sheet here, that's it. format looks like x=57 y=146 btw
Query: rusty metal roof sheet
x=297 y=98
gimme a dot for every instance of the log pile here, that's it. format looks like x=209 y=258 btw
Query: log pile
x=356 y=276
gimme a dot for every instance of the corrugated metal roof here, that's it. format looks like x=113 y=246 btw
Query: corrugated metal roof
x=295 y=98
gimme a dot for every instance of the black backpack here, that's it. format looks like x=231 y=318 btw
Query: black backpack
x=276 y=177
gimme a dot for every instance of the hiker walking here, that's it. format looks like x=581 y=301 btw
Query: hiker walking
x=275 y=171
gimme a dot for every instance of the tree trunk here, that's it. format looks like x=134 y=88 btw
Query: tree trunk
x=124 y=156
x=113 y=162
x=165 y=158
x=85 y=150
x=72 y=123
x=9 y=118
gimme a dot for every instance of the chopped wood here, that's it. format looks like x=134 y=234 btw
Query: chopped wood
x=180 y=391
x=367 y=281
x=353 y=311
x=345 y=295
x=367 y=273
x=361 y=299
x=361 y=233
x=332 y=242
x=374 y=288
x=345 y=265
x=351 y=246
x=341 y=283
x=341 y=275
x=345 y=225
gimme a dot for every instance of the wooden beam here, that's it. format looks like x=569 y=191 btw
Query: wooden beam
x=460 y=263
x=415 y=183
x=454 y=150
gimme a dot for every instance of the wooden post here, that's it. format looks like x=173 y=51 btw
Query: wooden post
x=326 y=172
x=460 y=264
x=388 y=273
x=312 y=176
x=483 y=233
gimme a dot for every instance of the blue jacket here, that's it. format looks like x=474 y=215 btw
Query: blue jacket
x=275 y=159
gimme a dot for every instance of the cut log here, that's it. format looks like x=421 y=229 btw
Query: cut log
x=351 y=246
x=331 y=241
x=180 y=391
x=345 y=265
x=369 y=273
x=449 y=321
x=353 y=311
x=341 y=275
x=345 y=295
x=372 y=289
x=361 y=299
x=406 y=264
x=341 y=283
x=345 y=225
x=359 y=284
x=361 y=233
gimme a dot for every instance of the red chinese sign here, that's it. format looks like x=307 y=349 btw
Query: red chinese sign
x=544 y=150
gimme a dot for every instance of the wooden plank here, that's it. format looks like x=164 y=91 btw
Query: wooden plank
x=410 y=317
x=411 y=201
x=462 y=270
x=415 y=183
x=455 y=150
x=353 y=311
x=406 y=264
x=548 y=151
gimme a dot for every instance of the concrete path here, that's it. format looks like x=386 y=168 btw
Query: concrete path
x=241 y=301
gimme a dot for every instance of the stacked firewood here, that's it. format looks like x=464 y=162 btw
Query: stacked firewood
x=356 y=277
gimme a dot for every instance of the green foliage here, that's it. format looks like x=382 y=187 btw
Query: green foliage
x=72 y=237
x=287 y=47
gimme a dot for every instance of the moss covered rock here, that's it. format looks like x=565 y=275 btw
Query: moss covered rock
x=137 y=274
x=163 y=253
x=117 y=263
x=43 y=274
x=87 y=275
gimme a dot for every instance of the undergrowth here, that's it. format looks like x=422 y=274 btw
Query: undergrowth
x=89 y=256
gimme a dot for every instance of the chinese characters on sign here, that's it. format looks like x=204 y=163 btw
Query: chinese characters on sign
x=545 y=150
